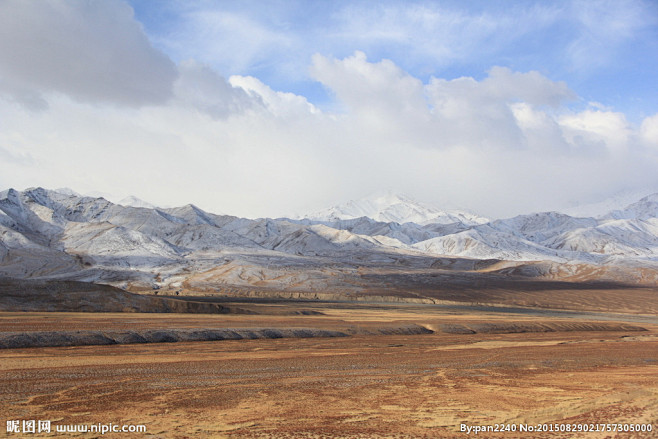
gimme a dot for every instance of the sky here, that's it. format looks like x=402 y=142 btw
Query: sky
x=273 y=108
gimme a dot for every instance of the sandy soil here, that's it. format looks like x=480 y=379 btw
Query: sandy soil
x=362 y=386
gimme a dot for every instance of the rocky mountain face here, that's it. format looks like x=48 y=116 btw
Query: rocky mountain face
x=60 y=234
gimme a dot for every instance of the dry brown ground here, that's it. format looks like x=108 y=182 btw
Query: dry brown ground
x=466 y=288
x=363 y=386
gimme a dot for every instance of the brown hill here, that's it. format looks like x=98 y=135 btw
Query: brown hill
x=72 y=296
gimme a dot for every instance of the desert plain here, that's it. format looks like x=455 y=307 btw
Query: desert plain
x=388 y=370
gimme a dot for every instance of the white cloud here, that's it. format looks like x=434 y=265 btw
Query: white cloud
x=649 y=131
x=90 y=51
x=200 y=87
x=278 y=103
x=382 y=101
x=607 y=130
x=540 y=130
x=501 y=145
x=365 y=86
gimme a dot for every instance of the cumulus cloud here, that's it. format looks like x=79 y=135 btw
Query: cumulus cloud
x=364 y=85
x=91 y=51
x=608 y=130
x=280 y=104
x=505 y=110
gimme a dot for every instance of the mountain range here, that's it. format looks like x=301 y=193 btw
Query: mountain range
x=389 y=207
x=60 y=234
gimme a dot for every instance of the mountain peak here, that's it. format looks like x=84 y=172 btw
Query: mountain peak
x=646 y=208
x=394 y=207
x=133 y=201
x=653 y=198
x=8 y=193
x=68 y=191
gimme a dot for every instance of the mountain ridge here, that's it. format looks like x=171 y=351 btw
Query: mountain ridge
x=392 y=207
x=49 y=233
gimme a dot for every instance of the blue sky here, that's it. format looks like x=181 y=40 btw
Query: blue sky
x=607 y=51
x=271 y=108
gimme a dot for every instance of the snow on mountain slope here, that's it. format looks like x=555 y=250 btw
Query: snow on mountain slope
x=203 y=237
x=36 y=221
x=6 y=220
x=344 y=238
x=23 y=257
x=602 y=207
x=11 y=239
x=644 y=209
x=406 y=233
x=298 y=239
x=554 y=236
x=191 y=214
x=67 y=191
x=12 y=205
x=66 y=207
x=613 y=237
x=539 y=227
x=97 y=227
x=44 y=231
x=107 y=240
x=485 y=242
x=396 y=208
x=133 y=201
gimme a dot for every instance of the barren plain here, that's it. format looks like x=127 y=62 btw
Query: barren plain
x=396 y=371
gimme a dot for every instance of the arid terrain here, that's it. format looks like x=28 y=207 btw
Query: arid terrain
x=328 y=219
x=395 y=371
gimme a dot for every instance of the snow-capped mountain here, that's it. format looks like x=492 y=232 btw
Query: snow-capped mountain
x=133 y=201
x=484 y=242
x=603 y=207
x=390 y=207
x=67 y=191
x=554 y=236
x=644 y=209
x=63 y=234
